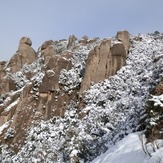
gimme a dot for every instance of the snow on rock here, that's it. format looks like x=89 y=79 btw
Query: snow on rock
x=20 y=77
x=11 y=105
x=60 y=46
x=158 y=100
x=4 y=126
x=113 y=108
x=73 y=77
x=69 y=78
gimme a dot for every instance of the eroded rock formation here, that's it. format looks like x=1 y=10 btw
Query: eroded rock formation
x=40 y=88
x=124 y=37
x=47 y=50
x=105 y=60
x=71 y=41
x=24 y=55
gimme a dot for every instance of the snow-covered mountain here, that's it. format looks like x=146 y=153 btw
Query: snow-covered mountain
x=73 y=100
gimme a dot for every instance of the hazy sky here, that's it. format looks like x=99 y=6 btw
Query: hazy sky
x=42 y=20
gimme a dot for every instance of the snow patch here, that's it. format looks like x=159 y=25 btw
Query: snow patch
x=4 y=126
x=128 y=150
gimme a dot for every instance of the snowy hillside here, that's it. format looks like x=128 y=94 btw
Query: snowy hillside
x=113 y=109
x=129 y=150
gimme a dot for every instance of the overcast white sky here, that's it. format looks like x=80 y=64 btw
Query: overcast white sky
x=42 y=20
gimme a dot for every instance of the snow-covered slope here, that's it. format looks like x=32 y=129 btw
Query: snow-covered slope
x=129 y=150
x=113 y=109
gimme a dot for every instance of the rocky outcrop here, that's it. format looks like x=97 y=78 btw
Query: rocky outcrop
x=21 y=108
x=124 y=37
x=105 y=60
x=67 y=69
x=71 y=41
x=50 y=90
x=47 y=50
x=24 y=55
x=53 y=67
x=84 y=39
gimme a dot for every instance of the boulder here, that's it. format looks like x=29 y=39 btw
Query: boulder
x=24 y=55
x=25 y=40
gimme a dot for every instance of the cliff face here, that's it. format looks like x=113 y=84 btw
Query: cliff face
x=105 y=60
x=69 y=99
x=41 y=85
